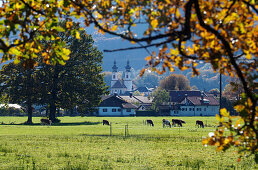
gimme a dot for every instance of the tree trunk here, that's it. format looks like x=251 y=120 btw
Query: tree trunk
x=52 y=113
x=29 y=109
x=29 y=91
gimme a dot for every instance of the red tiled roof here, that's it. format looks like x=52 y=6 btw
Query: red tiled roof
x=210 y=100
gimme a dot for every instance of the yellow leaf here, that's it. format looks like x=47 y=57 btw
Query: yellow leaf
x=77 y=35
x=239 y=108
x=114 y=28
x=248 y=56
x=224 y=112
x=205 y=141
x=66 y=54
x=148 y=58
x=133 y=42
x=177 y=13
x=220 y=119
x=154 y=23
x=69 y=24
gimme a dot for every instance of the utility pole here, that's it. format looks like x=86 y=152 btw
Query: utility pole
x=220 y=92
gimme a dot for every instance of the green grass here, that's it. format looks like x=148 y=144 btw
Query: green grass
x=84 y=143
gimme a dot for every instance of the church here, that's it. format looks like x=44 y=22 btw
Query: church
x=121 y=86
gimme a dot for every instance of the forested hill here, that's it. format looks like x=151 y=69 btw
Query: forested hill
x=107 y=42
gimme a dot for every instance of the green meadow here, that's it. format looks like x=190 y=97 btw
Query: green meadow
x=84 y=143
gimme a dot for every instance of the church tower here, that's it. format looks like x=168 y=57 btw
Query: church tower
x=128 y=79
x=114 y=74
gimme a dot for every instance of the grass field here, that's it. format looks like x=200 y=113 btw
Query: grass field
x=84 y=143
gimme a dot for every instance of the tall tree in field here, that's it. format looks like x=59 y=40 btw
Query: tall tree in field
x=19 y=85
x=220 y=32
x=175 y=82
x=78 y=83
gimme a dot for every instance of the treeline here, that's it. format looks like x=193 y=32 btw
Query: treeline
x=77 y=83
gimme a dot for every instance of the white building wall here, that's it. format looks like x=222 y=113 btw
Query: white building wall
x=129 y=85
x=121 y=112
x=109 y=111
x=196 y=111
x=128 y=81
x=114 y=78
x=126 y=112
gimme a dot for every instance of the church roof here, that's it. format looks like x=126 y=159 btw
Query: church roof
x=119 y=84
x=114 y=67
x=128 y=67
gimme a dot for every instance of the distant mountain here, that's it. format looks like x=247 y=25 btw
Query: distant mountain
x=107 y=42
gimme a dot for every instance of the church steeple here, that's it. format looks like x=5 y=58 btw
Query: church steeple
x=128 y=67
x=114 y=67
x=128 y=79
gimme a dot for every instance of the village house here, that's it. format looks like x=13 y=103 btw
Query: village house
x=114 y=105
x=192 y=103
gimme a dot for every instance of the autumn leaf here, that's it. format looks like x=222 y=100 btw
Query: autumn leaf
x=224 y=112
x=154 y=23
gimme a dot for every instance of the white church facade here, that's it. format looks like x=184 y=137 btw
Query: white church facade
x=121 y=86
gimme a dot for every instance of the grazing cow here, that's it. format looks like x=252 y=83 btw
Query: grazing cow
x=166 y=123
x=199 y=123
x=150 y=122
x=178 y=122
x=106 y=122
x=45 y=121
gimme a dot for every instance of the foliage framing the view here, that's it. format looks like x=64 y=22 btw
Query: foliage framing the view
x=223 y=33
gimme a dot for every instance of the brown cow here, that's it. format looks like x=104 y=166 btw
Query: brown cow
x=149 y=122
x=45 y=121
x=199 y=123
x=106 y=122
x=178 y=122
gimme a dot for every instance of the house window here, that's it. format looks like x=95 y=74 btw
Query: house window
x=183 y=109
x=204 y=109
x=126 y=76
x=128 y=110
x=119 y=110
x=193 y=109
x=104 y=110
x=114 y=76
x=200 y=109
x=113 y=110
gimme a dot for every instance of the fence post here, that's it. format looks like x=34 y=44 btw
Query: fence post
x=126 y=130
x=110 y=129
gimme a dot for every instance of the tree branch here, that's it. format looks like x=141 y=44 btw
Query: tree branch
x=173 y=35
x=232 y=60
x=252 y=6
x=141 y=47
x=30 y=7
